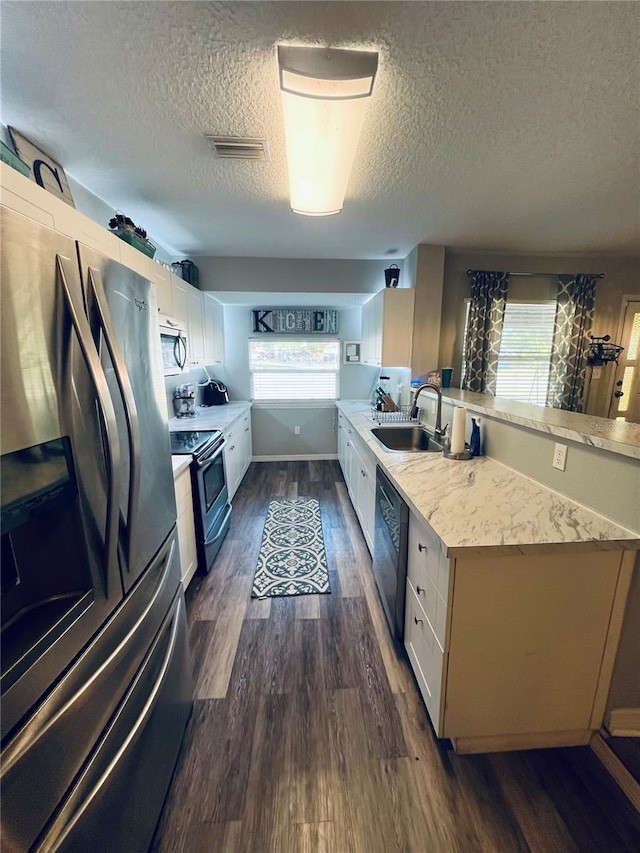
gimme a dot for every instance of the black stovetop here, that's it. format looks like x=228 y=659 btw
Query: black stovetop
x=191 y=442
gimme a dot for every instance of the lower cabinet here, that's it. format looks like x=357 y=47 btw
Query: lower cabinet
x=511 y=651
x=186 y=527
x=359 y=469
x=238 y=451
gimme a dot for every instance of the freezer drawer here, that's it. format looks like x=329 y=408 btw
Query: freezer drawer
x=41 y=760
x=116 y=801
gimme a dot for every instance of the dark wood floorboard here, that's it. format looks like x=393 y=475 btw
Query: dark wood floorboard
x=308 y=734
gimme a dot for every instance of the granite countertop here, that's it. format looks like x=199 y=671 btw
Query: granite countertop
x=210 y=417
x=481 y=505
x=605 y=434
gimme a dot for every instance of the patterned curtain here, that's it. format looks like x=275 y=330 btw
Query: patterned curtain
x=574 y=318
x=484 y=330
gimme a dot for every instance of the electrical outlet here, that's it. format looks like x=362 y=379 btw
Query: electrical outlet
x=596 y=373
x=560 y=456
x=296 y=430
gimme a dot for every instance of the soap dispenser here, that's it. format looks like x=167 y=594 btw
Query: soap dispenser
x=474 y=444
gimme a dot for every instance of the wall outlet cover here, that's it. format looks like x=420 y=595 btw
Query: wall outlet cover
x=560 y=456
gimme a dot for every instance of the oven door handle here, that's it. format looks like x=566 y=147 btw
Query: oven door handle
x=210 y=457
x=220 y=527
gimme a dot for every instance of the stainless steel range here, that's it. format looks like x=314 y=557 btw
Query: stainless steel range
x=210 y=494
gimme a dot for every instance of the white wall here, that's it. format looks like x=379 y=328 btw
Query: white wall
x=273 y=429
x=292 y=275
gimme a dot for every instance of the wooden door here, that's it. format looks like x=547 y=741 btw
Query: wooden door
x=625 y=398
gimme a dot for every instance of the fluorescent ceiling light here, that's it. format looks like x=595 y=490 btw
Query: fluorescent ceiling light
x=324 y=99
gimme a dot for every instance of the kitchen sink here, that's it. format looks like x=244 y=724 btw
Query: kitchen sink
x=406 y=439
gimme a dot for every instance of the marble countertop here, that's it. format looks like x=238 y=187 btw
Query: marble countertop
x=179 y=463
x=210 y=417
x=481 y=505
x=614 y=436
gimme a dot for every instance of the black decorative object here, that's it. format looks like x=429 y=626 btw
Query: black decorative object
x=392 y=276
x=601 y=351
x=127 y=230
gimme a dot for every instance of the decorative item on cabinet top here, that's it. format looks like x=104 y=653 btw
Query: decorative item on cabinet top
x=127 y=230
x=44 y=171
x=392 y=276
x=11 y=158
x=187 y=271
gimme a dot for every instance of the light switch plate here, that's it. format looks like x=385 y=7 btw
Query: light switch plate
x=560 y=456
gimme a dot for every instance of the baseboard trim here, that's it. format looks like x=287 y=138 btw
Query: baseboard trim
x=506 y=743
x=624 y=722
x=616 y=769
x=303 y=457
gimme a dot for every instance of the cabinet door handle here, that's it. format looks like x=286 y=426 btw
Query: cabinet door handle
x=417 y=621
x=421 y=547
x=420 y=590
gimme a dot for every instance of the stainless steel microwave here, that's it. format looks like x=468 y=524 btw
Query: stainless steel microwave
x=173 y=345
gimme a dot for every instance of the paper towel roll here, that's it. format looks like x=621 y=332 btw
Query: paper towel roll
x=458 y=429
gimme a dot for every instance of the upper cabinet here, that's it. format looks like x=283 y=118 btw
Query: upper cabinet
x=203 y=318
x=161 y=277
x=213 y=313
x=201 y=314
x=387 y=328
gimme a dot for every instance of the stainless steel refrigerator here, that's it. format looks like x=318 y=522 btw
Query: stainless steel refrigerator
x=96 y=683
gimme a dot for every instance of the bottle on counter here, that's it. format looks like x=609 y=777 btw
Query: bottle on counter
x=475 y=443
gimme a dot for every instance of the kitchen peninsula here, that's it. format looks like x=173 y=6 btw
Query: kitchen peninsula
x=507 y=577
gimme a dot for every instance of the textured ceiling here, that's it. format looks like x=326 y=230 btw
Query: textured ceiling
x=502 y=126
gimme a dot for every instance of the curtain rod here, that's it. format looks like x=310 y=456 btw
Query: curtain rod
x=536 y=274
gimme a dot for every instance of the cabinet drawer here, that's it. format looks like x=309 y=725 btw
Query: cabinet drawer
x=427 y=561
x=427 y=658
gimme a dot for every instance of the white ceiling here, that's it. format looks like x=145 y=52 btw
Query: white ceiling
x=502 y=126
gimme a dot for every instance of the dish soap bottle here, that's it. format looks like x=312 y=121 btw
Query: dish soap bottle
x=474 y=444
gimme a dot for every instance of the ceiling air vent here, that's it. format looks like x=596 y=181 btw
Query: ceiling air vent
x=239 y=148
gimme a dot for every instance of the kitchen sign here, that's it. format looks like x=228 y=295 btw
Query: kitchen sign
x=295 y=321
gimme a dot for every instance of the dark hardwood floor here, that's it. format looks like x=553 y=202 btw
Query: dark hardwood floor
x=308 y=734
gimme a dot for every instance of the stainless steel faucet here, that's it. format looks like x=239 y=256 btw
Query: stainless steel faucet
x=438 y=430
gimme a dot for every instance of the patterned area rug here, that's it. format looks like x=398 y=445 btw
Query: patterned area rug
x=292 y=559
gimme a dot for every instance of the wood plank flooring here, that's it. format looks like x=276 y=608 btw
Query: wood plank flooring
x=308 y=734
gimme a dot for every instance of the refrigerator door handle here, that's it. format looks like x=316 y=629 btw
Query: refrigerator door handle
x=128 y=402
x=75 y=308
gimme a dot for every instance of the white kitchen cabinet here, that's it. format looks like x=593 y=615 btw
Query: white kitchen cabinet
x=503 y=655
x=387 y=328
x=161 y=277
x=196 y=326
x=186 y=526
x=213 y=313
x=359 y=470
x=342 y=443
x=238 y=451
x=188 y=308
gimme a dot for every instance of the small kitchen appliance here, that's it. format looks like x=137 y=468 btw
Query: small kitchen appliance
x=184 y=400
x=215 y=393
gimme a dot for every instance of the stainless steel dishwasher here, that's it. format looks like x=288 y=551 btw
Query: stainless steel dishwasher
x=390 y=552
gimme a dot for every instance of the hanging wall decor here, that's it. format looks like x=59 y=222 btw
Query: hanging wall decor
x=295 y=321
